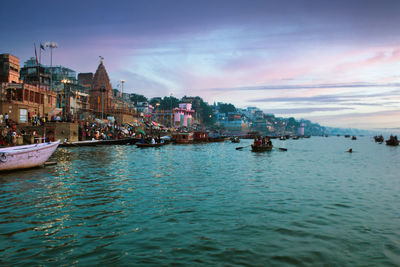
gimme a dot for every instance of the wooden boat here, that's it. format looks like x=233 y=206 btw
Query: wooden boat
x=81 y=143
x=392 y=141
x=124 y=141
x=261 y=148
x=378 y=139
x=200 y=136
x=29 y=156
x=217 y=139
x=145 y=145
x=235 y=140
x=183 y=138
x=353 y=137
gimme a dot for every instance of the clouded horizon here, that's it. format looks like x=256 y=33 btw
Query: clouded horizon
x=333 y=62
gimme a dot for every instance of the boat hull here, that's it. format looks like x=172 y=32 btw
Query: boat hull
x=149 y=145
x=260 y=148
x=101 y=142
x=23 y=157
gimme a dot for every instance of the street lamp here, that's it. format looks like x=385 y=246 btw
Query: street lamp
x=51 y=45
x=157 y=105
x=64 y=107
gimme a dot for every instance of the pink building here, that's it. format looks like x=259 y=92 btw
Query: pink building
x=183 y=115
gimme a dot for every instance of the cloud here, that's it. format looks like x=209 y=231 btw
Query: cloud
x=303 y=110
x=326 y=98
x=306 y=86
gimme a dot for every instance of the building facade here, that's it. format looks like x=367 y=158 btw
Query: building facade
x=23 y=101
x=9 y=68
x=183 y=115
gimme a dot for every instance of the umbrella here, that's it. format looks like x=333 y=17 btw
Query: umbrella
x=140 y=131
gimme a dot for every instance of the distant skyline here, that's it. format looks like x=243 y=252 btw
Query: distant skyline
x=332 y=62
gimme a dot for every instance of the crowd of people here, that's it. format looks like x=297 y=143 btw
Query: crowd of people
x=90 y=130
x=262 y=141
x=8 y=136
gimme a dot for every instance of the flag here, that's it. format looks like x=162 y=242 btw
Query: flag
x=36 y=55
x=41 y=46
x=98 y=99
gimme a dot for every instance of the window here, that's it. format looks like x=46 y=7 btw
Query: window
x=23 y=115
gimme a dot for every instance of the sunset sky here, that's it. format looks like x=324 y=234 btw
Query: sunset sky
x=333 y=62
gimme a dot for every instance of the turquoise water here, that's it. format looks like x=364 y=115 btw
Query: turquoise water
x=206 y=204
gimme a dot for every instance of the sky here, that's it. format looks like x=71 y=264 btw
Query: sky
x=332 y=62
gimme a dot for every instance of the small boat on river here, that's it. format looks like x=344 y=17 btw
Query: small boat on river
x=392 y=141
x=235 y=139
x=29 y=156
x=145 y=145
x=183 y=138
x=124 y=141
x=378 y=139
x=261 y=148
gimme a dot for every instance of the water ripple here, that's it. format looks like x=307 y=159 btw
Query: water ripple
x=205 y=205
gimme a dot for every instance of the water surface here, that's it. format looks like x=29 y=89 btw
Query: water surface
x=206 y=204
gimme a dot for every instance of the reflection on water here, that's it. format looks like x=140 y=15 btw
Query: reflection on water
x=206 y=204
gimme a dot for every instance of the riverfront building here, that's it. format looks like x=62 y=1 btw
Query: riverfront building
x=183 y=115
x=9 y=68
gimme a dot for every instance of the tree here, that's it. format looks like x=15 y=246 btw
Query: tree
x=138 y=98
x=166 y=103
x=226 y=107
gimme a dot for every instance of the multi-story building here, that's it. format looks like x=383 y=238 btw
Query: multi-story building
x=9 y=68
x=35 y=74
x=23 y=101
x=183 y=115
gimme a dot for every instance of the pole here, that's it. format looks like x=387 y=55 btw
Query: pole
x=51 y=68
x=102 y=103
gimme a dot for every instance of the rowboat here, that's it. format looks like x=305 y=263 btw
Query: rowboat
x=392 y=141
x=124 y=141
x=261 y=148
x=29 y=156
x=235 y=140
x=81 y=143
x=144 y=145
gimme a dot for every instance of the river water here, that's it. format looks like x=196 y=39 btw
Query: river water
x=206 y=204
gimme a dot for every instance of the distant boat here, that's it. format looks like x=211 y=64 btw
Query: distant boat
x=200 y=136
x=145 y=145
x=346 y=136
x=235 y=139
x=378 y=139
x=353 y=137
x=29 y=156
x=392 y=141
x=124 y=141
x=183 y=138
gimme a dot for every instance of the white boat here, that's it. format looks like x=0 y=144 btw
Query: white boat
x=29 y=156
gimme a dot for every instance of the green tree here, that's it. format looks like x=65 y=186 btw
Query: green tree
x=226 y=107
x=135 y=98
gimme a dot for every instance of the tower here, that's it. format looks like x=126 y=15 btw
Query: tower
x=101 y=93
